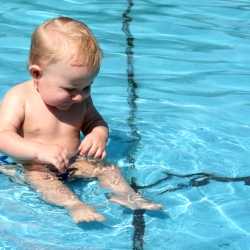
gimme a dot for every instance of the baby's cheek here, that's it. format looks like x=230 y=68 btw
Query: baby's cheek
x=63 y=97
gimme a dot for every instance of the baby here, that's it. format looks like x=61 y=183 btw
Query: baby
x=42 y=118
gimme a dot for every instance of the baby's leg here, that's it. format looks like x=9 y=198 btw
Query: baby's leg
x=55 y=192
x=110 y=177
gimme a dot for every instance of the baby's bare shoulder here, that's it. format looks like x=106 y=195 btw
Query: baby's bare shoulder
x=17 y=94
x=12 y=109
x=19 y=90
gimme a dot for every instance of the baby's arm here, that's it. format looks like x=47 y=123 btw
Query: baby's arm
x=12 y=113
x=96 y=133
x=12 y=117
x=93 y=119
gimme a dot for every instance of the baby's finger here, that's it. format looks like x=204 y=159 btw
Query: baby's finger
x=59 y=164
x=84 y=149
x=103 y=155
x=98 y=153
x=65 y=162
x=92 y=151
x=64 y=157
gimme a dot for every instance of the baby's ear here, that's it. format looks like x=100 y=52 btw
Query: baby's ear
x=35 y=71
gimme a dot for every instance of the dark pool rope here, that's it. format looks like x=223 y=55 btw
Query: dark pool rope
x=138 y=218
x=194 y=180
x=132 y=86
x=138 y=223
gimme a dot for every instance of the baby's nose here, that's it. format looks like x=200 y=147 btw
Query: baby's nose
x=77 y=98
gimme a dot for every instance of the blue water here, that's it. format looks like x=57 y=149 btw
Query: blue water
x=174 y=88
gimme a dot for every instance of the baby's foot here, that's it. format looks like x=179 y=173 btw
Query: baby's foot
x=84 y=213
x=134 y=202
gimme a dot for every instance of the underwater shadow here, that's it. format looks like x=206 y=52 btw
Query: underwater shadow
x=194 y=180
x=151 y=213
x=92 y=226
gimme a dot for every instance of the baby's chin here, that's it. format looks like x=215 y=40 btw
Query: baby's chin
x=64 y=107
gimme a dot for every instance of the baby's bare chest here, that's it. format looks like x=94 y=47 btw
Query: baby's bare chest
x=46 y=122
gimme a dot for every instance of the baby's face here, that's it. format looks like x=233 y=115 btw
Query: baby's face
x=63 y=84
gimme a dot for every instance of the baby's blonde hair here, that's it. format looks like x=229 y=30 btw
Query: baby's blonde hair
x=63 y=37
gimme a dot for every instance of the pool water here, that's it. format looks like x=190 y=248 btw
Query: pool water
x=174 y=88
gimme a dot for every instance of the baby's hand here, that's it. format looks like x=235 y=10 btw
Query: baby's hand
x=93 y=145
x=56 y=155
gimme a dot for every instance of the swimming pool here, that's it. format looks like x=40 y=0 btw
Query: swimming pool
x=174 y=90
